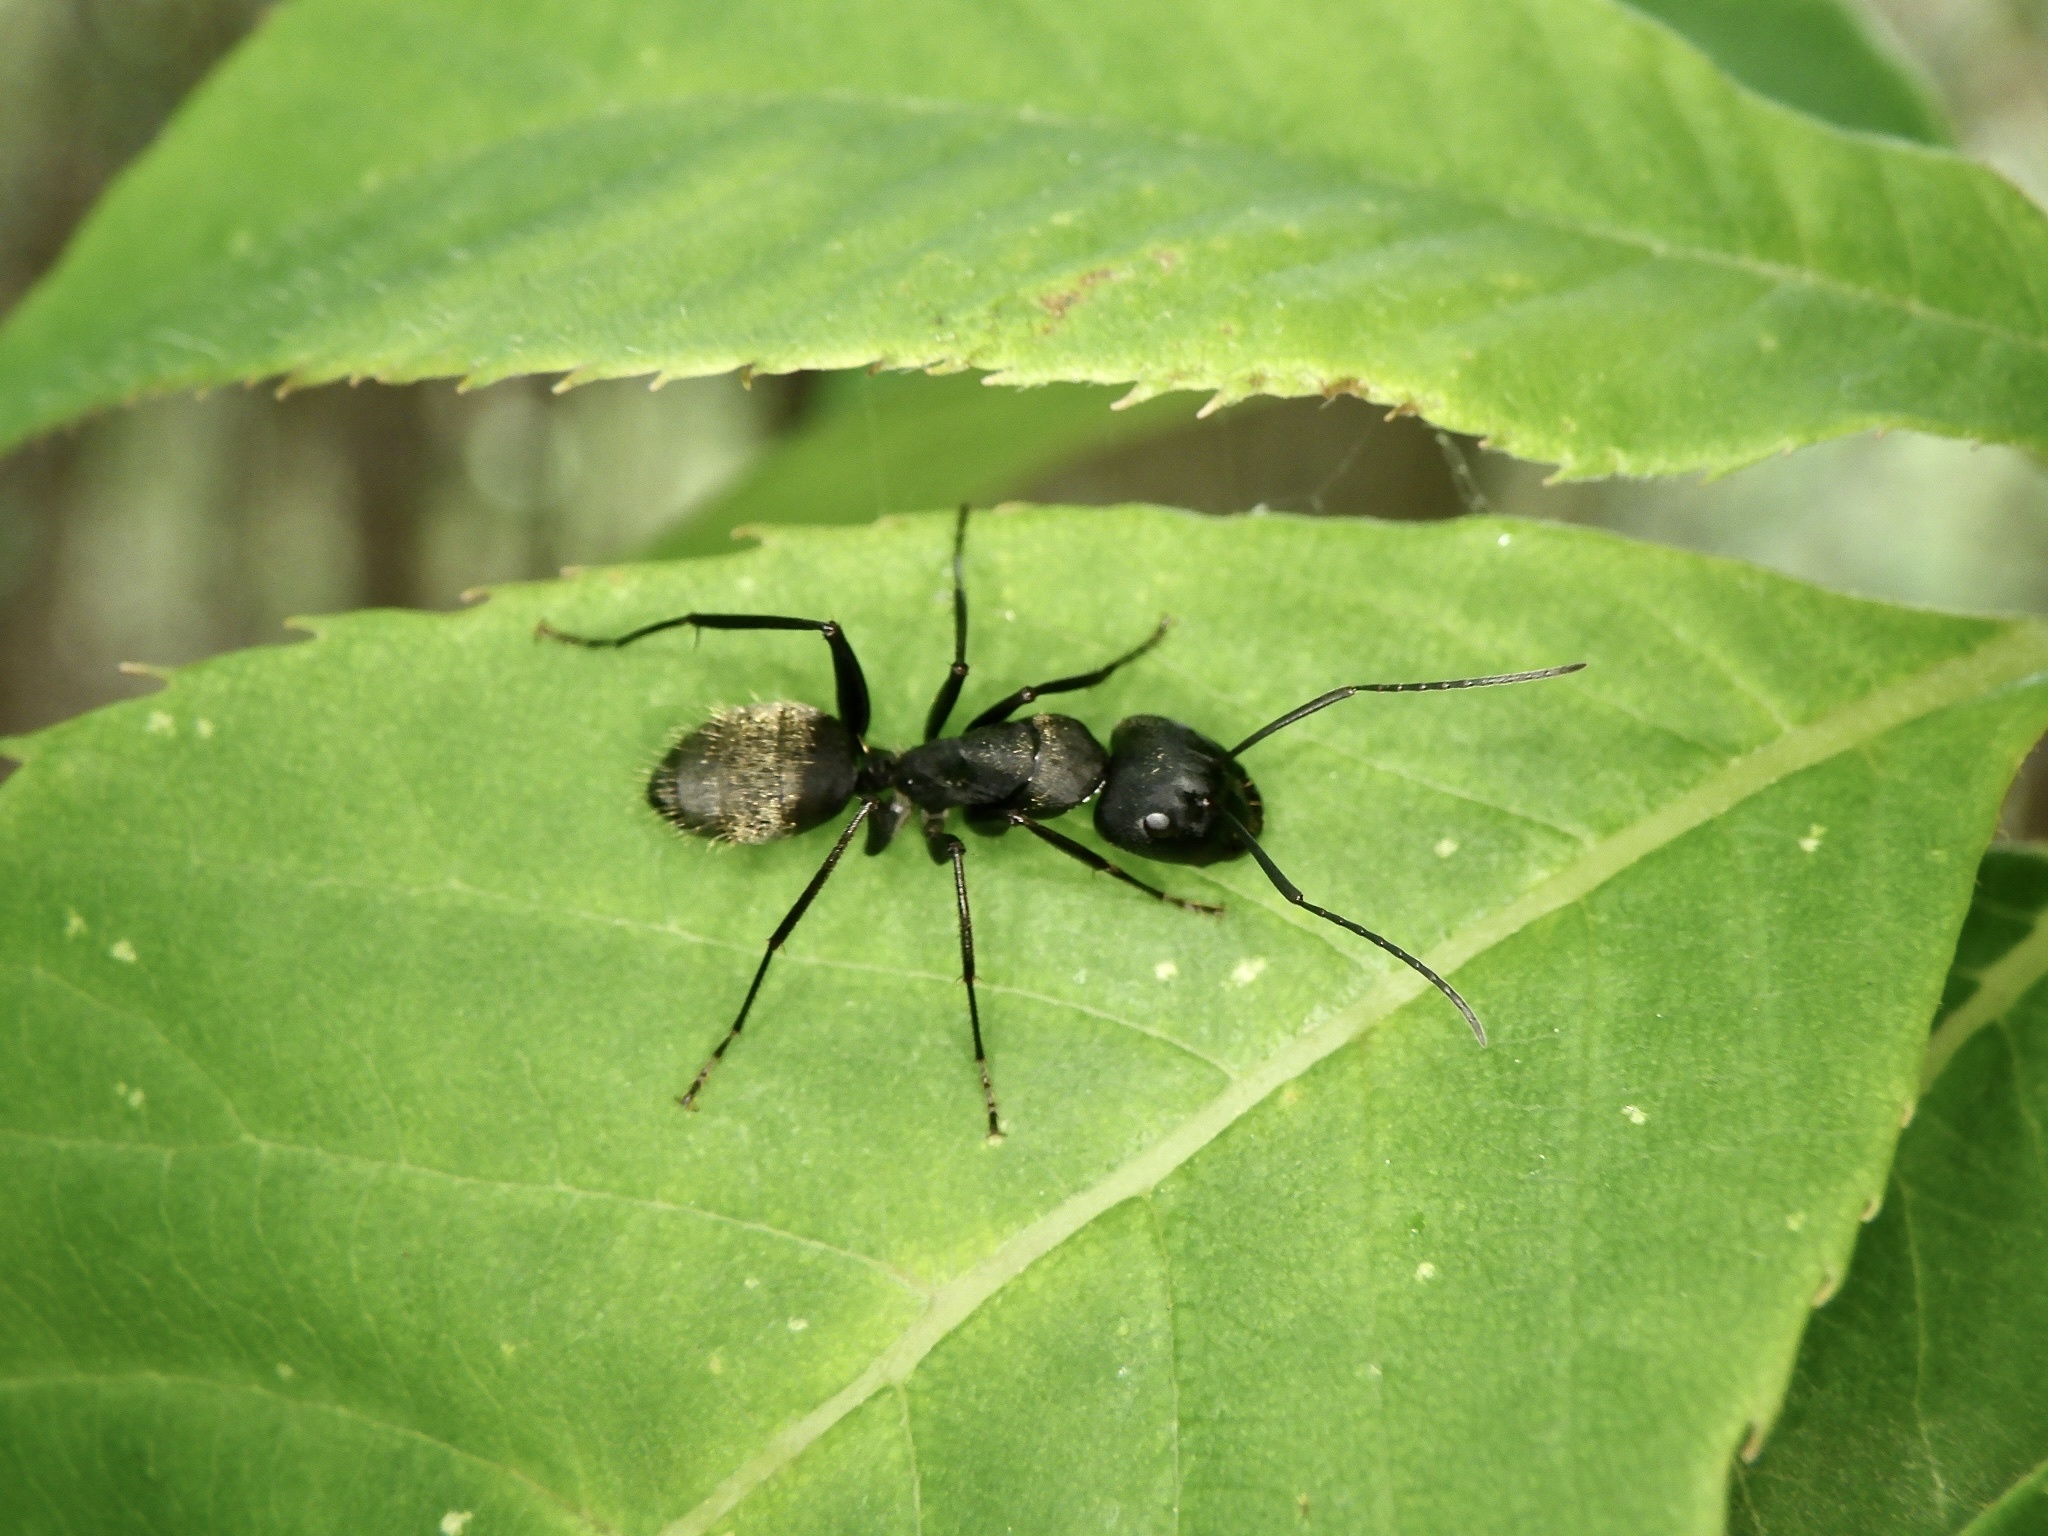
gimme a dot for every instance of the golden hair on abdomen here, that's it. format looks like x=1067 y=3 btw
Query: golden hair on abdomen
x=741 y=776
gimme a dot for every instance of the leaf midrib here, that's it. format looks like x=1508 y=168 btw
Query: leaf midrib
x=2018 y=654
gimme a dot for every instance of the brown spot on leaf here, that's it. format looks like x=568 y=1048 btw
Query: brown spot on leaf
x=1057 y=304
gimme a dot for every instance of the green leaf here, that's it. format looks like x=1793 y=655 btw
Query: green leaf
x=876 y=444
x=1550 y=221
x=1919 y=1402
x=1816 y=55
x=904 y=442
x=350 y=983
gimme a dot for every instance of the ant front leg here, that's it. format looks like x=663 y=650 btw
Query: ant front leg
x=945 y=847
x=1081 y=853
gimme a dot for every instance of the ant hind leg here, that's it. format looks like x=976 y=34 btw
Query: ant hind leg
x=688 y=1098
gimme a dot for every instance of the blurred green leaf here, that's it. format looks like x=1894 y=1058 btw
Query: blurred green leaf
x=1816 y=55
x=904 y=442
x=1920 y=1403
x=350 y=983
x=1550 y=221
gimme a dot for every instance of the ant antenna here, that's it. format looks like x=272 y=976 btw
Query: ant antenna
x=1292 y=892
x=1338 y=695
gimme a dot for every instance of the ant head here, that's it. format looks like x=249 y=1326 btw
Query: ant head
x=1167 y=791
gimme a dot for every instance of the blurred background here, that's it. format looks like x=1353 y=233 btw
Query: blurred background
x=168 y=532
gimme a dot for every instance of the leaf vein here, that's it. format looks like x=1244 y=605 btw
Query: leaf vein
x=102 y=1380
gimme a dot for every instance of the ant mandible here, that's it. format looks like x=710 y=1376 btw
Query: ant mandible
x=1163 y=790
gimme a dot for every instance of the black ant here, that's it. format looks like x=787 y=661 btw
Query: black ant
x=1163 y=790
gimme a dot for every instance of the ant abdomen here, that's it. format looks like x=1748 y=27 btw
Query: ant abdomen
x=756 y=773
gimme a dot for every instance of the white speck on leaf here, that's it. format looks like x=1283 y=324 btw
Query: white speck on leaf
x=1504 y=540
x=134 y=1097
x=123 y=951
x=1425 y=1270
x=1166 y=970
x=753 y=1284
x=1248 y=971
x=74 y=925
x=1635 y=1116
x=285 y=1372
x=1446 y=846
x=1811 y=842
x=161 y=724
x=453 y=1522
x=1795 y=1221
x=799 y=1324
x=205 y=728
x=1081 y=978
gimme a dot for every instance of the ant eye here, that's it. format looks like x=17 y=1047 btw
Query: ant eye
x=1157 y=822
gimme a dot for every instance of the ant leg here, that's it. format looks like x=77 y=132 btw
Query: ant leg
x=688 y=1098
x=1287 y=888
x=1100 y=865
x=1016 y=701
x=846 y=672
x=1339 y=695
x=949 y=690
x=944 y=846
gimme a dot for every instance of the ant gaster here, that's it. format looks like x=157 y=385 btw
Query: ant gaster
x=1163 y=790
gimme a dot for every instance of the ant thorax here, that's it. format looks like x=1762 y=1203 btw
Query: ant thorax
x=1043 y=766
